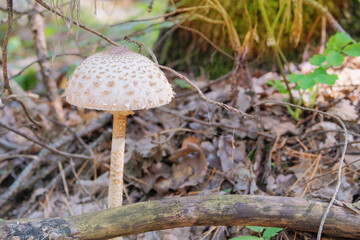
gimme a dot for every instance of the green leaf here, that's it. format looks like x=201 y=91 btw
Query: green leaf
x=182 y=84
x=334 y=58
x=271 y=232
x=317 y=59
x=277 y=85
x=337 y=41
x=297 y=88
x=255 y=228
x=280 y=87
x=245 y=238
x=295 y=77
x=328 y=79
x=307 y=82
x=319 y=71
x=227 y=190
x=28 y=80
x=271 y=83
x=352 y=50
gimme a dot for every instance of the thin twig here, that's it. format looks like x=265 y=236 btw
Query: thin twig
x=14 y=188
x=332 y=146
x=44 y=145
x=9 y=156
x=211 y=124
x=202 y=96
x=208 y=40
x=332 y=171
x=203 y=88
x=20 y=180
x=77 y=23
x=4 y=62
x=72 y=165
x=150 y=7
x=5 y=44
x=333 y=23
x=181 y=10
x=340 y=162
x=14 y=10
x=48 y=57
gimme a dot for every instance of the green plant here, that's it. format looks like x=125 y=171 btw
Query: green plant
x=182 y=84
x=263 y=235
x=337 y=47
x=28 y=80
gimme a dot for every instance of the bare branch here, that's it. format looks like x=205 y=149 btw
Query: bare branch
x=230 y=210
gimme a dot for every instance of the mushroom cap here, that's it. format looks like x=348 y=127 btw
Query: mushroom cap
x=118 y=79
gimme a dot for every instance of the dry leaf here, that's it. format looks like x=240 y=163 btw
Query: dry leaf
x=278 y=128
x=344 y=110
x=189 y=168
x=330 y=136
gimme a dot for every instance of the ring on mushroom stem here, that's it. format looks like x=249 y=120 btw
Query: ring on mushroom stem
x=118 y=81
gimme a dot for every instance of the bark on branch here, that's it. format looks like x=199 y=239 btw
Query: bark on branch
x=294 y=213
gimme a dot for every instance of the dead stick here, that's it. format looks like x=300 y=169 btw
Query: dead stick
x=44 y=145
x=231 y=210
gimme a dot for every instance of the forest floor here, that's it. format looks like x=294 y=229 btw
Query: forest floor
x=188 y=147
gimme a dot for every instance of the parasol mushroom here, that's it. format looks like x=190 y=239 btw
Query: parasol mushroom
x=118 y=81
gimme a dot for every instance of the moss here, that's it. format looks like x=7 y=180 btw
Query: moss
x=192 y=52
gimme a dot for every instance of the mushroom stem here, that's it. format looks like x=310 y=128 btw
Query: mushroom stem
x=117 y=159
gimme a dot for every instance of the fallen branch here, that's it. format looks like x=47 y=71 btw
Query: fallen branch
x=232 y=210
